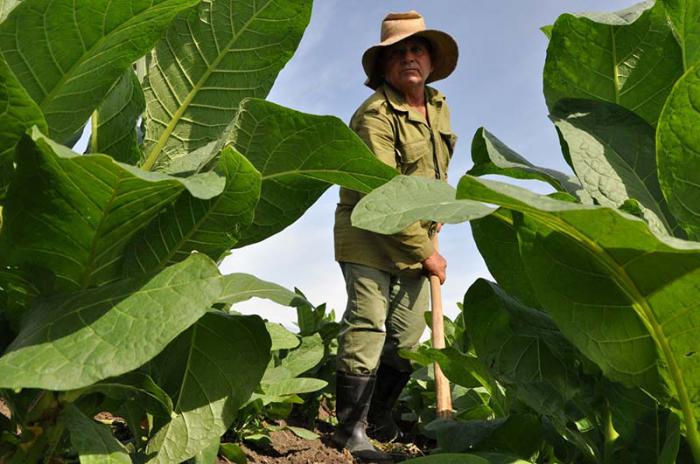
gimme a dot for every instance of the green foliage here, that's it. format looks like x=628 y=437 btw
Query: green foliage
x=677 y=146
x=591 y=326
x=110 y=297
x=609 y=59
x=283 y=390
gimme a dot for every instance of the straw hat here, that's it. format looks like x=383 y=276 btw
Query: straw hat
x=399 y=26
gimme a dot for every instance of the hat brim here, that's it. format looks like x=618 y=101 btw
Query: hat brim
x=444 y=56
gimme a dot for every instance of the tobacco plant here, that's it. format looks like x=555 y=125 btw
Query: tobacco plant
x=111 y=302
x=595 y=305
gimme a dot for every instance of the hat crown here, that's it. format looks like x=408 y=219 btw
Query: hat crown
x=401 y=24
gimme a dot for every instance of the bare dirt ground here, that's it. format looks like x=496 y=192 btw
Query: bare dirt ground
x=287 y=448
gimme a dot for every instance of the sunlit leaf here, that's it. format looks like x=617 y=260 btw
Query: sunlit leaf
x=210 y=60
x=68 y=54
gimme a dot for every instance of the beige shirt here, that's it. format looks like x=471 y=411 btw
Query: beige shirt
x=402 y=138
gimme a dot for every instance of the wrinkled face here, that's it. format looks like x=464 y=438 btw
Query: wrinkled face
x=407 y=64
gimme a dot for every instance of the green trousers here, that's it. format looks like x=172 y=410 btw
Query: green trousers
x=384 y=314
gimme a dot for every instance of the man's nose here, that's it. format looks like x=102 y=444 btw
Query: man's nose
x=408 y=55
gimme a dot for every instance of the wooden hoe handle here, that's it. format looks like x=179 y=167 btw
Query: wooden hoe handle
x=442 y=385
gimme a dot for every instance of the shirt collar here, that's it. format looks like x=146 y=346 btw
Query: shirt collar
x=433 y=98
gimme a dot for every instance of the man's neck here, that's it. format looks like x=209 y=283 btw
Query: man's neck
x=415 y=97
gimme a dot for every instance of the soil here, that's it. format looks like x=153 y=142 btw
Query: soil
x=287 y=448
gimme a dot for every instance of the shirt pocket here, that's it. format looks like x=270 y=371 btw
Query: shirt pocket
x=450 y=140
x=414 y=156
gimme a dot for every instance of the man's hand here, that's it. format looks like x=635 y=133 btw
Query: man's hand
x=436 y=265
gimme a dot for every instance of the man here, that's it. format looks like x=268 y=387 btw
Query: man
x=407 y=126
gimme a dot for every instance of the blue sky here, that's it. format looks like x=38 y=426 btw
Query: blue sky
x=497 y=85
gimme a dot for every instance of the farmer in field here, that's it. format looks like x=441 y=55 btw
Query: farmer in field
x=406 y=124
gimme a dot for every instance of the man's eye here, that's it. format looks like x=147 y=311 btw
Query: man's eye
x=417 y=50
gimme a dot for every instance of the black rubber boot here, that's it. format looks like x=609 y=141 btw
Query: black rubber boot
x=389 y=385
x=353 y=396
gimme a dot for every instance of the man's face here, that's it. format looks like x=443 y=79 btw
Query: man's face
x=407 y=64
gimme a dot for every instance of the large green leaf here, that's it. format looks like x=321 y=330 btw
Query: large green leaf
x=685 y=21
x=210 y=226
x=113 y=130
x=648 y=433
x=298 y=361
x=71 y=341
x=459 y=368
x=622 y=295
x=282 y=339
x=131 y=387
x=210 y=370
x=93 y=441
x=497 y=241
x=612 y=151
x=678 y=151
x=293 y=386
x=491 y=156
x=80 y=211
x=210 y=60
x=18 y=112
x=239 y=287
x=68 y=54
x=519 y=434
x=299 y=155
x=406 y=199
x=633 y=64
x=526 y=353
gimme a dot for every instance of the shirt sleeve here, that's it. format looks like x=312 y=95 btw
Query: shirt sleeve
x=413 y=243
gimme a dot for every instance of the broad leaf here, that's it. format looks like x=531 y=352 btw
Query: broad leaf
x=210 y=60
x=406 y=199
x=113 y=130
x=610 y=59
x=18 y=112
x=130 y=387
x=685 y=21
x=239 y=287
x=209 y=226
x=282 y=339
x=519 y=434
x=620 y=294
x=678 y=148
x=293 y=386
x=80 y=212
x=298 y=361
x=612 y=151
x=648 y=433
x=210 y=370
x=302 y=433
x=526 y=353
x=93 y=441
x=472 y=458
x=491 y=156
x=68 y=54
x=497 y=241
x=71 y=341
x=462 y=369
x=208 y=455
x=299 y=155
